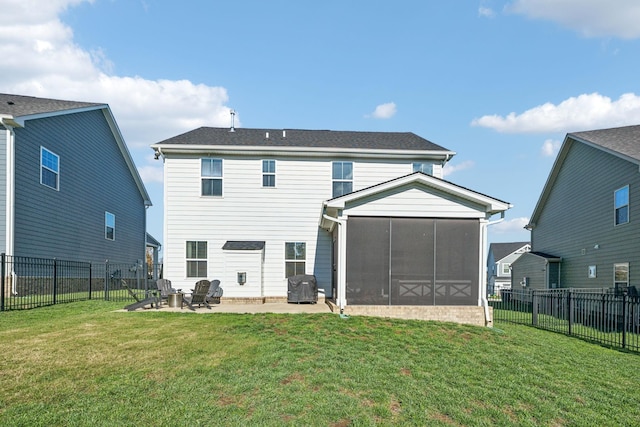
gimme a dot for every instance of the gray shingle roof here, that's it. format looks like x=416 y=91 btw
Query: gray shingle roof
x=501 y=250
x=243 y=245
x=623 y=140
x=18 y=105
x=304 y=138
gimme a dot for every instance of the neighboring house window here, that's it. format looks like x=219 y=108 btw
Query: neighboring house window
x=49 y=168
x=423 y=167
x=196 y=259
x=268 y=173
x=211 y=173
x=506 y=268
x=622 y=205
x=342 y=178
x=621 y=275
x=295 y=254
x=109 y=226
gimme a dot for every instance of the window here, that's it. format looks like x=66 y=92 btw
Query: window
x=295 y=254
x=211 y=173
x=621 y=202
x=506 y=268
x=49 y=168
x=423 y=167
x=196 y=259
x=342 y=178
x=109 y=226
x=268 y=173
x=621 y=276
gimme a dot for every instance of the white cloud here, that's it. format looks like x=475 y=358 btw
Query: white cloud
x=510 y=226
x=550 y=147
x=40 y=58
x=591 y=18
x=584 y=112
x=486 y=12
x=384 y=111
x=450 y=169
x=151 y=174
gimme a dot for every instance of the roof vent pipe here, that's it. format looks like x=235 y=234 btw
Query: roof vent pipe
x=267 y=135
x=284 y=133
x=233 y=117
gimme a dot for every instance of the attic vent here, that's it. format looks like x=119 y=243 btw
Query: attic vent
x=267 y=135
x=10 y=102
x=284 y=133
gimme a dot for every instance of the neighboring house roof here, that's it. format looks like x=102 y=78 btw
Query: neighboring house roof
x=15 y=110
x=490 y=204
x=548 y=257
x=222 y=139
x=152 y=242
x=622 y=142
x=502 y=250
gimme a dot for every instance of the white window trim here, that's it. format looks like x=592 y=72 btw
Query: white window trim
x=296 y=260
x=205 y=260
x=269 y=173
x=213 y=178
x=505 y=266
x=615 y=207
x=107 y=226
x=57 y=173
x=334 y=180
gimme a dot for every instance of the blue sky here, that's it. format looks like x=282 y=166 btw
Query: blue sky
x=498 y=82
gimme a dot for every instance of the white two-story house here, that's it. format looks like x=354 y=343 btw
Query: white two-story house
x=368 y=213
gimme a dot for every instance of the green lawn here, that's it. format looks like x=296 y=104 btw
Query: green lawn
x=83 y=364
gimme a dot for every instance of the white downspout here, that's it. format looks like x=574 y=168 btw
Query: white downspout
x=483 y=256
x=10 y=199
x=341 y=298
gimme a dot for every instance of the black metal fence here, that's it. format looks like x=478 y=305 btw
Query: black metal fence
x=605 y=316
x=36 y=282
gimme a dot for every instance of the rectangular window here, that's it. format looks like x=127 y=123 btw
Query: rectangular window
x=211 y=174
x=621 y=276
x=621 y=205
x=109 y=226
x=423 y=167
x=506 y=269
x=342 y=175
x=268 y=173
x=49 y=168
x=295 y=255
x=196 y=259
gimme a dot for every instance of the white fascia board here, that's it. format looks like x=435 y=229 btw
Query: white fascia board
x=113 y=125
x=302 y=151
x=491 y=205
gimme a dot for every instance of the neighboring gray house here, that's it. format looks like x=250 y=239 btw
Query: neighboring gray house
x=499 y=260
x=588 y=215
x=68 y=186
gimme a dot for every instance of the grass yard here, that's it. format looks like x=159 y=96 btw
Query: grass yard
x=83 y=364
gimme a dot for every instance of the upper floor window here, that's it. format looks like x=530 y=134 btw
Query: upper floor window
x=196 y=259
x=423 y=167
x=506 y=268
x=621 y=205
x=49 y=168
x=295 y=256
x=342 y=178
x=109 y=226
x=211 y=175
x=268 y=173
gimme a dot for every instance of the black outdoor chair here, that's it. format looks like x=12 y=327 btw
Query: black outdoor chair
x=198 y=295
x=165 y=288
x=152 y=299
x=215 y=292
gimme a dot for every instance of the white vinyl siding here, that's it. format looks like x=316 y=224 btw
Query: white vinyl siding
x=288 y=213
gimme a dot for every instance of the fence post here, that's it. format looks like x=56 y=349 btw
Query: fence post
x=624 y=319
x=90 y=271
x=106 y=280
x=534 y=308
x=55 y=281
x=3 y=283
x=569 y=309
